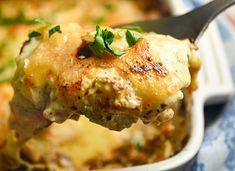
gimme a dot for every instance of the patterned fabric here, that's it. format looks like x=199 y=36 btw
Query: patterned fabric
x=193 y=3
x=217 y=152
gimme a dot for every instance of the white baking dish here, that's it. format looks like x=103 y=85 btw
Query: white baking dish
x=215 y=84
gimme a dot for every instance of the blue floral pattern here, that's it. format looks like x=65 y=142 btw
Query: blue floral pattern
x=193 y=3
x=217 y=152
x=228 y=36
x=195 y=166
x=210 y=138
x=227 y=125
x=218 y=143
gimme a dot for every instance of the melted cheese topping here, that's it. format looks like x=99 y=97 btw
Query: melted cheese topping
x=53 y=84
x=57 y=146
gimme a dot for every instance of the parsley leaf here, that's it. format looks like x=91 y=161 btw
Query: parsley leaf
x=107 y=36
x=42 y=21
x=98 y=20
x=98 y=46
x=7 y=71
x=109 y=7
x=115 y=52
x=108 y=40
x=103 y=40
x=131 y=38
x=139 y=146
x=20 y=18
x=9 y=64
x=34 y=34
x=54 y=30
x=51 y=31
x=133 y=28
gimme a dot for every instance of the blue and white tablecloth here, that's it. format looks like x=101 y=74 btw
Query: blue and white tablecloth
x=217 y=152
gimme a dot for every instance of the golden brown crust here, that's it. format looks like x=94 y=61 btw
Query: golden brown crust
x=46 y=150
x=137 y=64
x=55 y=83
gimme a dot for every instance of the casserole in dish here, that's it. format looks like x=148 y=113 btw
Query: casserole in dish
x=90 y=146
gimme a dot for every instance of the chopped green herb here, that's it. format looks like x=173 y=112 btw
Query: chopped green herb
x=54 y=30
x=50 y=32
x=98 y=20
x=133 y=28
x=109 y=6
x=98 y=46
x=34 y=34
x=115 y=52
x=108 y=40
x=107 y=36
x=20 y=18
x=65 y=7
x=42 y=21
x=9 y=64
x=7 y=79
x=139 y=146
x=5 y=75
x=131 y=38
x=2 y=46
x=103 y=40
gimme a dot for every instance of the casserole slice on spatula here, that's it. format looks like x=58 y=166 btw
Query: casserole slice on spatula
x=112 y=76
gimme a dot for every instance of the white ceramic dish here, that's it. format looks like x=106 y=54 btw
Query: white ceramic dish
x=215 y=84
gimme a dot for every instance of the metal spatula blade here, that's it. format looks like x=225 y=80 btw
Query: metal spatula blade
x=190 y=25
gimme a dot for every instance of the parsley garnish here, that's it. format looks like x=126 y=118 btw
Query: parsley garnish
x=50 y=32
x=133 y=28
x=42 y=21
x=107 y=36
x=131 y=38
x=139 y=142
x=34 y=34
x=108 y=40
x=2 y=45
x=98 y=20
x=109 y=7
x=9 y=64
x=5 y=76
x=103 y=40
x=54 y=30
x=20 y=18
x=98 y=46
x=139 y=146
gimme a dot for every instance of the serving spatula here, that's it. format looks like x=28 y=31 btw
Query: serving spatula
x=190 y=25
